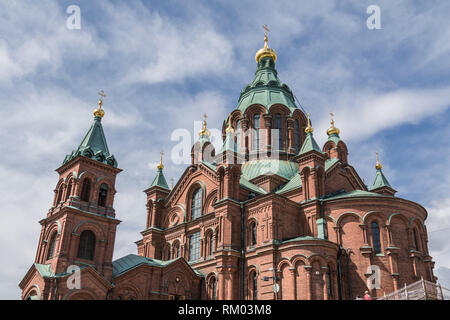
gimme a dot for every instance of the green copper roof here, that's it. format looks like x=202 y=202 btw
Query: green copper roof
x=250 y=186
x=294 y=183
x=266 y=89
x=160 y=181
x=309 y=144
x=354 y=194
x=132 y=261
x=45 y=270
x=380 y=181
x=330 y=162
x=94 y=146
x=256 y=168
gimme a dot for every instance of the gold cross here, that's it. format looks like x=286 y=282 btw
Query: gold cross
x=266 y=29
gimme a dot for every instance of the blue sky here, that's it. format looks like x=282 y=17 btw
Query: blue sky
x=163 y=64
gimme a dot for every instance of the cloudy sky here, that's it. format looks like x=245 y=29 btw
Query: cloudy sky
x=164 y=63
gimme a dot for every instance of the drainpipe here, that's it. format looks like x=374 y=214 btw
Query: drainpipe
x=242 y=252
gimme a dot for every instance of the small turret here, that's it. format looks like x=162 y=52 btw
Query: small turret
x=381 y=184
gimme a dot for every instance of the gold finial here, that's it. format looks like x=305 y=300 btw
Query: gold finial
x=378 y=165
x=99 y=112
x=160 y=166
x=309 y=129
x=266 y=51
x=204 y=132
x=171 y=183
x=332 y=129
x=229 y=127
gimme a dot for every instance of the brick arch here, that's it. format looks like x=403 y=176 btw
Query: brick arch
x=210 y=199
x=180 y=288
x=35 y=288
x=254 y=108
x=369 y=214
x=128 y=286
x=80 y=294
x=316 y=257
x=92 y=226
x=398 y=216
x=282 y=262
x=194 y=186
x=346 y=214
x=299 y=258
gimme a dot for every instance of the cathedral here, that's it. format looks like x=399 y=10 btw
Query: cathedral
x=271 y=215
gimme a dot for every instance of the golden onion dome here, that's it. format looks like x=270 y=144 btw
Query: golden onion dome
x=229 y=128
x=332 y=129
x=160 y=166
x=204 y=132
x=265 y=51
x=309 y=129
x=378 y=165
x=99 y=112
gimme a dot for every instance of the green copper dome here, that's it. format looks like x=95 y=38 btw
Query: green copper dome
x=266 y=89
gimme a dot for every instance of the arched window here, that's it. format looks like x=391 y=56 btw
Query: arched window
x=297 y=136
x=175 y=250
x=212 y=288
x=329 y=284
x=69 y=190
x=194 y=247
x=416 y=243
x=253 y=234
x=86 y=190
x=86 y=247
x=196 y=206
x=376 y=237
x=256 y=126
x=279 y=127
x=51 y=247
x=60 y=192
x=254 y=285
x=210 y=244
x=102 y=194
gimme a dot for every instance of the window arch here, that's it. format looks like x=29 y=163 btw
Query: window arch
x=60 y=192
x=102 y=195
x=253 y=285
x=278 y=126
x=253 y=233
x=196 y=205
x=69 y=190
x=415 y=242
x=256 y=127
x=175 y=250
x=210 y=244
x=51 y=246
x=86 y=247
x=297 y=135
x=212 y=288
x=86 y=190
x=376 y=237
x=329 y=284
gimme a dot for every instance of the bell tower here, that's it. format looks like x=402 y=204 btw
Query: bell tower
x=80 y=227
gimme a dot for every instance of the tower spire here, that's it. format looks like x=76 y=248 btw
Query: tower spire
x=204 y=132
x=160 y=166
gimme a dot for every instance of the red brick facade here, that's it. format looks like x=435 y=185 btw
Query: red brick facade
x=230 y=229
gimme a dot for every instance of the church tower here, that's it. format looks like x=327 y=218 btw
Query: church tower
x=80 y=227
